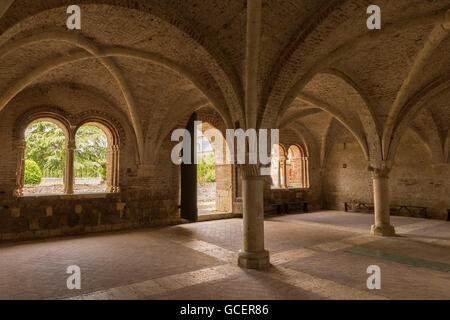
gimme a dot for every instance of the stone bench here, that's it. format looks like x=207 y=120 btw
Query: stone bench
x=412 y=211
x=290 y=206
x=359 y=207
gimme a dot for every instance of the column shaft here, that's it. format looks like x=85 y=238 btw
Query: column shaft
x=115 y=169
x=382 y=226
x=20 y=172
x=70 y=175
x=253 y=255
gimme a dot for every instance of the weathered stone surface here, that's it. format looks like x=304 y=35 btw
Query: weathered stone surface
x=346 y=96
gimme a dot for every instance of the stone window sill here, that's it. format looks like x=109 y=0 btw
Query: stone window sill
x=75 y=196
x=287 y=189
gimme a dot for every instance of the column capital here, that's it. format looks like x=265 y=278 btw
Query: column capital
x=380 y=169
x=114 y=189
x=380 y=172
x=20 y=144
x=71 y=145
x=249 y=171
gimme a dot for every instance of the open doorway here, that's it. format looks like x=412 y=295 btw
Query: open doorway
x=206 y=184
x=206 y=176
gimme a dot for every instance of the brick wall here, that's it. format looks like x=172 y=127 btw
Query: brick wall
x=414 y=179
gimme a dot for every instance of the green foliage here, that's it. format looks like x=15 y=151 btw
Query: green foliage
x=46 y=146
x=103 y=173
x=90 y=155
x=206 y=169
x=33 y=174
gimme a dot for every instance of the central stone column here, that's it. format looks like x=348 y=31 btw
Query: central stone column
x=20 y=173
x=70 y=176
x=382 y=226
x=253 y=255
x=114 y=167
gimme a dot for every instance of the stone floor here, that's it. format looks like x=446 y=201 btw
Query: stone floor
x=321 y=255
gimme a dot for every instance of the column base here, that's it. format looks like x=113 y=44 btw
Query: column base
x=114 y=189
x=383 y=231
x=254 y=260
x=18 y=193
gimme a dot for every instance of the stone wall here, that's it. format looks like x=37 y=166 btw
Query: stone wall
x=41 y=217
x=413 y=181
x=148 y=196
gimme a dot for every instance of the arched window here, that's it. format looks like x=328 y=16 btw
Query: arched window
x=47 y=153
x=90 y=160
x=96 y=158
x=44 y=158
x=289 y=169
x=297 y=168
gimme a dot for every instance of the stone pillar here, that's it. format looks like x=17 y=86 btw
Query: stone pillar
x=382 y=226
x=20 y=171
x=253 y=255
x=279 y=174
x=69 y=176
x=305 y=178
x=114 y=167
x=284 y=182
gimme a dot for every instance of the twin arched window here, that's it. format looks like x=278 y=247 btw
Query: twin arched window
x=289 y=168
x=82 y=158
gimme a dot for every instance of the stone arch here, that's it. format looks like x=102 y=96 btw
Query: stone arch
x=112 y=52
x=309 y=144
x=423 y=140
x=112 y=127
x=282 y=70
x=358 y=134
x=49 y=114
x=427 y=128
x=296 y=150
x=291 y=118
x=91 y=48
x=222 y=71
x=412 y=108
x=80 y=41
x=69 y=96
x=173 y=117
x=370 y=125
x=447 y=148
x=364 y=126
x=276 y=104
x=437 y=35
